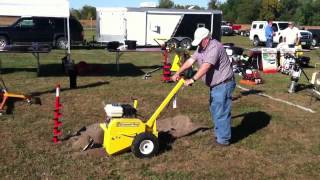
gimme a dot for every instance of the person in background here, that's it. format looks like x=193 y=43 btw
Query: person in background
x=269 y=33
x=216 y=71
x=291 y=35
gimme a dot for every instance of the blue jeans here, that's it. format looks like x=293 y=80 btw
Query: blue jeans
x=269 y=43
x=220 y=108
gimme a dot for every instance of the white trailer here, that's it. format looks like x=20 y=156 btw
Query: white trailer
x=144 y=25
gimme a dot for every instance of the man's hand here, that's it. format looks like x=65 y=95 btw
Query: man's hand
x=175 y=77
x=188 y=82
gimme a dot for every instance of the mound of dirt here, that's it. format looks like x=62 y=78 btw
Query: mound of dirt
x=92 y=135
x=177 y=126
x=93 y=132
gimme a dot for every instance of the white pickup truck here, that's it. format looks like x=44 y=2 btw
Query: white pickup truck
x=257 y=33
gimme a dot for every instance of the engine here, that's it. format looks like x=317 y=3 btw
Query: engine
x=120 y=110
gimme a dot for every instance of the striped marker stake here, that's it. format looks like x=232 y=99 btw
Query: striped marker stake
x=57 y=116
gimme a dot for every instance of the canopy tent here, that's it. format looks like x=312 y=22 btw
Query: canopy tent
x=39 y=8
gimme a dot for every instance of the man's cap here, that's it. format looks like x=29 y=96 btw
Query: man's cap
x=199 y=35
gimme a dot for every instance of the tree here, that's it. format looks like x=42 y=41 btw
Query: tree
x=270 y=9
x=75 y=13
x=88 y=12
x=165 y=4
x=213 y=4
x=248 y=11
x=229 y=10
x=288 y=9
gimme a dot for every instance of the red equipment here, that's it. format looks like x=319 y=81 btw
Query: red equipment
x=57 y=115
x=166 y=73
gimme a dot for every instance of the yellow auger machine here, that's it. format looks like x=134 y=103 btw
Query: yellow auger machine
x=123 y=130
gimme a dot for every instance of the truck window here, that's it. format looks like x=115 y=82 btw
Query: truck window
x=261 y=26
x=254 y=26
x=282 y=26
x=26 y=23
x=275 y=27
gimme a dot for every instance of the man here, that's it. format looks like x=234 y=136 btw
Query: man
x=216 y=71
x=269 y=34
x=291 y=35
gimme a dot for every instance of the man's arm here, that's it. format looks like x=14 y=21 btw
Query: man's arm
x=202 y=71
x=298 y=37
x=185 y=66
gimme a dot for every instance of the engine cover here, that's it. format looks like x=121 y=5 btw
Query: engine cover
x=120 y=110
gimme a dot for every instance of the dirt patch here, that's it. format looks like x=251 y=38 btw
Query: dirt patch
x=178 y=126
x=88 y=140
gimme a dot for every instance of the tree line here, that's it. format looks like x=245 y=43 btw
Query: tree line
x=303 y=12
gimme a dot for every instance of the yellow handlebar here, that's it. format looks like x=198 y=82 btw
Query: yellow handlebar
x=164 y=103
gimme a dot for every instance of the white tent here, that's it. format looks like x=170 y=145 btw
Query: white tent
x=39 y=8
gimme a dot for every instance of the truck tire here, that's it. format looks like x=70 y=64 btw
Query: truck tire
x=145 y=145
x=186 y=43
x=61 y=43
x=314 y=42
x=256 y=41
x=280 y=40
x=3 y=42
x=172 y=43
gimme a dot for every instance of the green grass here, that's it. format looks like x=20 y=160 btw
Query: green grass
x=274 y=140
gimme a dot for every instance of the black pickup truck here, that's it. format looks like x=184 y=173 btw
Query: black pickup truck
x=315 y=36
x=42 y=30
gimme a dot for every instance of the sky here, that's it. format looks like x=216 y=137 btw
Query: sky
x=77 y=4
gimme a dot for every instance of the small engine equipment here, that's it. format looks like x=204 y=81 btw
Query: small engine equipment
x=120 y=110
x=288 y=64
x=242 y=65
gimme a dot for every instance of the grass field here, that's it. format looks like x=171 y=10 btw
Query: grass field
x=271 y=139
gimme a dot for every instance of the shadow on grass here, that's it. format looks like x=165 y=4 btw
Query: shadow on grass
x=302 y=87
x=55 y=70
x=10 y=103
x=246 y=93
x=13 y=70
x=166 y=139
x=251 y=92
x=251 y=123
x=68 y=89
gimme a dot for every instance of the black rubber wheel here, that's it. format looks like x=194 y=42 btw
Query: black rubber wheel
x=280 y=40
x=172 y=43
x=145 y=145
x=256 y=41
x=61 y=43
x=186 y=43
x=3 y=41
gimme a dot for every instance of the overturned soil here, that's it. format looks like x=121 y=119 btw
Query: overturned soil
x=88 y=140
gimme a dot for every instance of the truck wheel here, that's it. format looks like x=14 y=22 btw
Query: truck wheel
x=145 y=145
x=280 y=40
x=3 y=42
x=186 y=44
x=256 y=41
x=314 y=42
x=61 y=43
x=172 y=43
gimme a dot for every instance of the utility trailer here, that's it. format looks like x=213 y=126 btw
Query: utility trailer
x=146 y=25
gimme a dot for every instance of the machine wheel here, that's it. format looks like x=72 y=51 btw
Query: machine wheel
x=61 y=43
x=256 y=41
x=314 y=42
x=145 y=145
x=186 y=43
x=3 y=41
